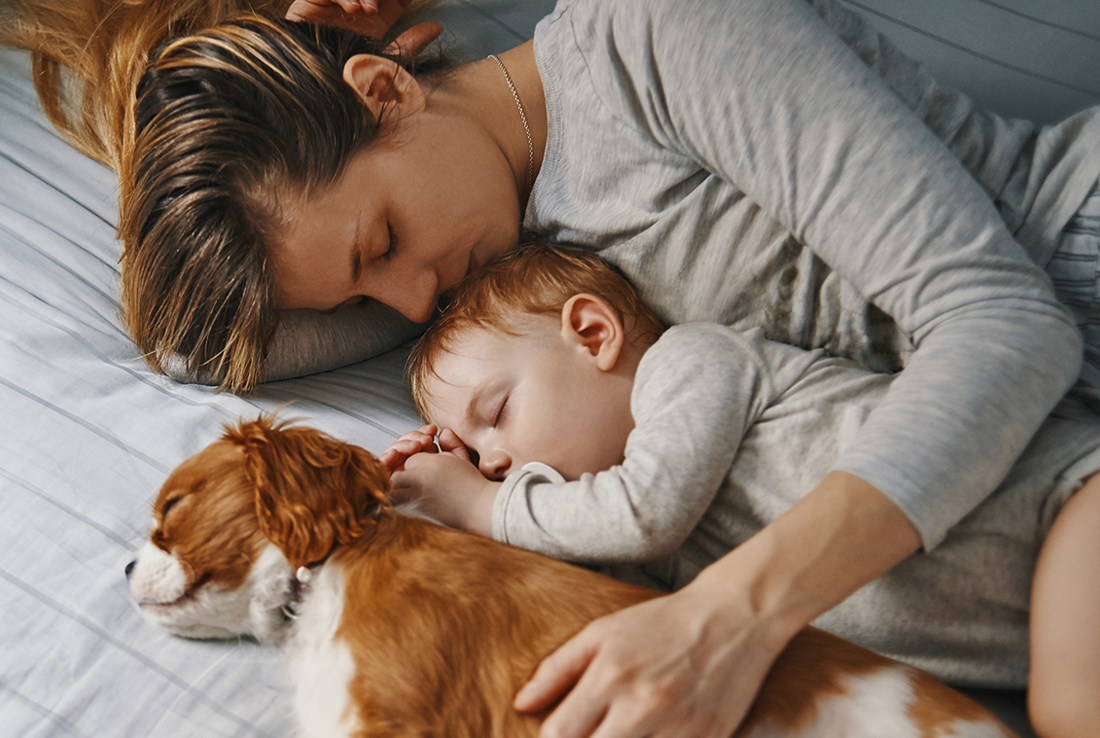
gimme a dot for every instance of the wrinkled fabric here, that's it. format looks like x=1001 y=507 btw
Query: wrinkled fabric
x=758 y=163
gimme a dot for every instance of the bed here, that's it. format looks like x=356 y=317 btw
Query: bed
x=89 y=433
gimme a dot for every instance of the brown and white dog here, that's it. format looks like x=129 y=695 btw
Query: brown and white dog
x=397 y=626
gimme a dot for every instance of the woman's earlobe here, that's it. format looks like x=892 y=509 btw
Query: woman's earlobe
x=383 y=84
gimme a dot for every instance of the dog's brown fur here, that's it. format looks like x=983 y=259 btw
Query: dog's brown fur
x=444 y=626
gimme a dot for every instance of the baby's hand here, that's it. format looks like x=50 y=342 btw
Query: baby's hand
x=450 y=489
x=410 y=444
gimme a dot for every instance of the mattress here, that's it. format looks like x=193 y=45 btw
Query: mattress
x=88 y=433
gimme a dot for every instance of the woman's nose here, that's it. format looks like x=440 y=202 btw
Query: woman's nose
x=494 y=465
x=413 y=294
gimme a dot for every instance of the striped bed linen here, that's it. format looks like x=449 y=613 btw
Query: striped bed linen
x=88 y=433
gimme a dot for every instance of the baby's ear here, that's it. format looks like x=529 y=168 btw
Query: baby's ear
x=592 y=325
x=312 y=492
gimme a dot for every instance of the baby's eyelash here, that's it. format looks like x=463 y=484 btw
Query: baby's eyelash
x=500 y=412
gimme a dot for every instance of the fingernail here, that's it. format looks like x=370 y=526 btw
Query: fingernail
x=526 y=692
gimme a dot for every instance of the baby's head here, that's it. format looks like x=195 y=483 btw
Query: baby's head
x=533 y=359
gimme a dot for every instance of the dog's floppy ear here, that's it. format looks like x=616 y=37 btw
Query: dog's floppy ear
x=312 y=491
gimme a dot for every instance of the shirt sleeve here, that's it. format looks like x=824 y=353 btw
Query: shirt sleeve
x=311 y=341
x=696 y=393
x=765 y=95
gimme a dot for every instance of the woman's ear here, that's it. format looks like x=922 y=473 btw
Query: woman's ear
x=383 y=84
x=592 y=325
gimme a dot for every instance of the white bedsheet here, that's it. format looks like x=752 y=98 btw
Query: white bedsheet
x=89 y=433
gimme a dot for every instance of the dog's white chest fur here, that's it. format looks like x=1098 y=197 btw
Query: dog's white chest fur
x=322 y=665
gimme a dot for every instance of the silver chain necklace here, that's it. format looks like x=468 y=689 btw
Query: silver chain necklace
x=526 y=128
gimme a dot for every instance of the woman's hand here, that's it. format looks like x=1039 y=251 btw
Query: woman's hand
x=688 y=665
x=371 y=18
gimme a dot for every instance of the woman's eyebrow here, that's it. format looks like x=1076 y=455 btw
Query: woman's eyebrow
x=475 y=402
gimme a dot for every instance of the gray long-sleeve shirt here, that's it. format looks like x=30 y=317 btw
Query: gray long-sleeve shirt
x=744 y=162
x=731 y=431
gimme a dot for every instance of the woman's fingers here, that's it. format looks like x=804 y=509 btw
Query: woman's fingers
x=695 y=680
x=388 y=10
x=594 y=706
x=555 y=676
x=559 y=671
x=389 y=459
x=590 y=707
x=415 y=39
x=321 y=11
x=372 y=18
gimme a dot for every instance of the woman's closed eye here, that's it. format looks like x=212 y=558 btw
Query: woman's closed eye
x=391 y=247
x=387 y=255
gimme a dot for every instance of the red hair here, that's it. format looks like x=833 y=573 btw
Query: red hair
x=533 y=279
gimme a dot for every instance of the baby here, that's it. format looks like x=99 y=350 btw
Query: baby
x=570 y=423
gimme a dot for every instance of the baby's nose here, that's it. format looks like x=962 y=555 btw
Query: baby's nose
x=495 y=465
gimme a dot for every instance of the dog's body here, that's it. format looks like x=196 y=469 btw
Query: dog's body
x=405 y=628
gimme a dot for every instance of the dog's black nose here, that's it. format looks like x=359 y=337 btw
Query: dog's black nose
x=130 y=568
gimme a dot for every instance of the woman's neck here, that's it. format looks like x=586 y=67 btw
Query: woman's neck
x=480 y=92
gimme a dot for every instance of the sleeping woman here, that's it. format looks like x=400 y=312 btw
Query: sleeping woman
x=769 y=163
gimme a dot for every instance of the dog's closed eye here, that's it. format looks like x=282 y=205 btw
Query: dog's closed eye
x=168 y=505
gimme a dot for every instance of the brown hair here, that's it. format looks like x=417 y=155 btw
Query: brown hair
x=534 y=279
x=206 y=132
x=227 y=120
x=87 y=56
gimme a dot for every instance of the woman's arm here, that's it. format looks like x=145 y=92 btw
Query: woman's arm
x=309 y=341
x=807 y=131
x=719 y=635
x=803 y=127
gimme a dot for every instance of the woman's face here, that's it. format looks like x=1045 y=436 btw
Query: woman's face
x=411 y=215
